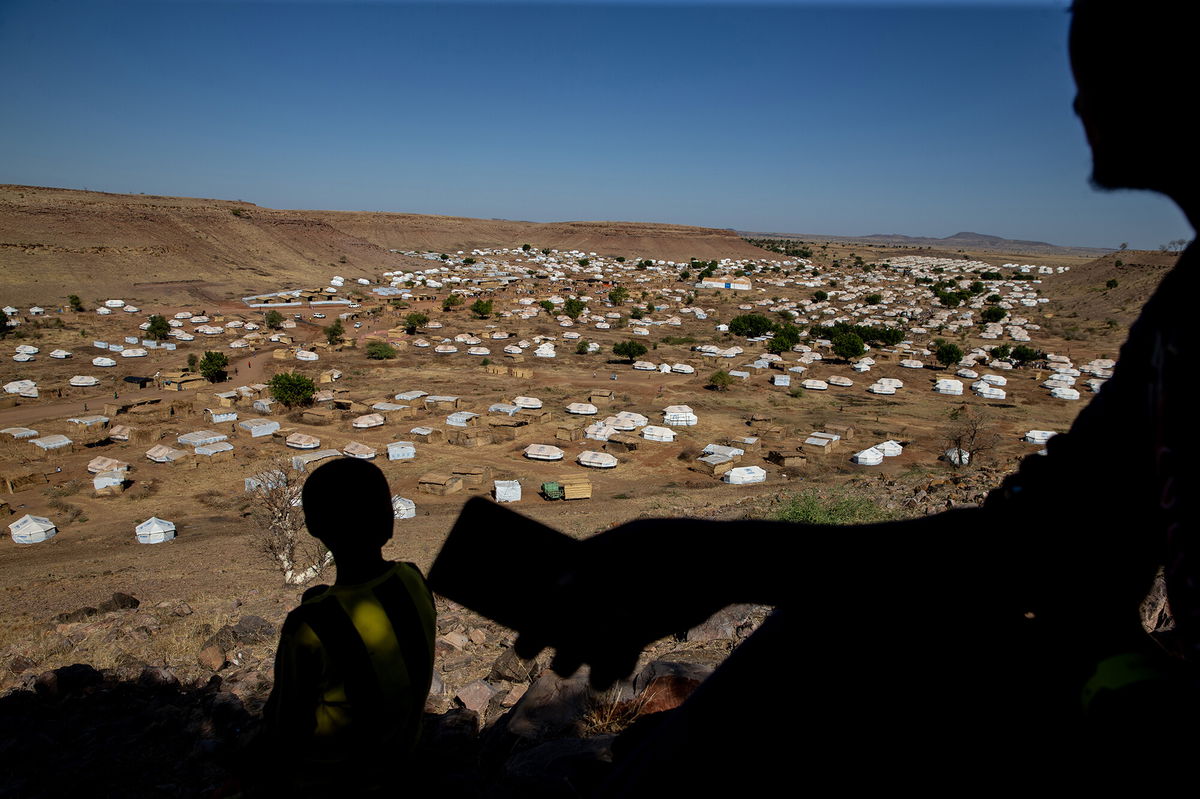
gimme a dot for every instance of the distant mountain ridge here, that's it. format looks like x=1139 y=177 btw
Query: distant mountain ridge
x=959 y=241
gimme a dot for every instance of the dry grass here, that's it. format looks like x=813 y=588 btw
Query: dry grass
x=143 y=489
x=67 y=513
x=67 y=489
x=607 y=714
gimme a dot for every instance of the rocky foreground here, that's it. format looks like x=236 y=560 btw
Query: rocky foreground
x=496 y=725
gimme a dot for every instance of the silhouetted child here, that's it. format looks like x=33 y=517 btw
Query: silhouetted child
x=355 y=659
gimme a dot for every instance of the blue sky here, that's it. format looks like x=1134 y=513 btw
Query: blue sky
x=849 y=119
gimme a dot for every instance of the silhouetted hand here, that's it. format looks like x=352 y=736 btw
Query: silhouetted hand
x=630 y=586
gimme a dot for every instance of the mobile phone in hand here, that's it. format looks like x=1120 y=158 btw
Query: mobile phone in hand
x=502 y=565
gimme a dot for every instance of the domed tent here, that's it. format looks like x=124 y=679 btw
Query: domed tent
x=83 y=381
x=868 y=457
x=656 y=433
x=154 y=531
x=101 y=361
x=31 y=529
x=302 y=441
x=543 y=452
x=582 y=409
x=596 y=460
x=890 y=449
x=355 y=449
x=403 y=508
x=368 y=421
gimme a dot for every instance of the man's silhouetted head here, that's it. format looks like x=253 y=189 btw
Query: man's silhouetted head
x=348 y=505
x=1134 y=71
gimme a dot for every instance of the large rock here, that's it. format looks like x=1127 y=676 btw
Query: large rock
x=212 y=657
x=119 y=601
x=249 y=630
x=551 y=707
x=670 y=668
x=477 y=696
x=509 y=666
x=722 y=625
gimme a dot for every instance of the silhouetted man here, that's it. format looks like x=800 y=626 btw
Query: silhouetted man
x=973 y=648
x=355 y=659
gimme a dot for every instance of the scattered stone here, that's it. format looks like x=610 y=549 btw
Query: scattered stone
x=476 y=696
x=514 y=695
x=158 y=677
x=119 y=601
x=477 y=636
x=509 y=666
x=254 y=629
x=551 y=707
x=182 y=609
x=21 y=664
x=455 y=639
x=76 y=615
x=212 y=657
x=67 y=681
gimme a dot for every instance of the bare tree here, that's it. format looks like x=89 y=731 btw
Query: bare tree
x=972 y=432
x=280 y=519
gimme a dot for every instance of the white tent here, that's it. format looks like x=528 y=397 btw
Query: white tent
x=20 y=432
x=868 y=457
x=507 y=490
x=258 y=428
x=214 y=449
x=959 y=457
x=741 y=475
x=60 y=354
x=543 y=452
x=306 y=355
x=154 y=531
x=201 y=437
x=656 y=433
x=815 y=385
x=838 y=380
x=948 y=386
x=109 y=479
x=401 y=450
x=1039 y=436
x=596 y=460
x=302 y=441
x=355 y=449
x=679 y=416
x=368 y=421
x=161 y=453
x=1065 y=393
x=102 y=463
x=890 y=449
x=582 y=408
x=403 y=508
x=83 y=381
x=31 y=529
x=17 y=386
x=102 y=361
x=527 y=402
x=881 y=388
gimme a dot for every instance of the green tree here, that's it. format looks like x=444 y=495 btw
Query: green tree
x=629 y=350
x=482 y=308
x=636 y=313
x=1023 y=354
x=545 y=251
x=547 y=306
x=1111 y=283
x=273 y=319
x=526 y=247
x=583 y=262
x=994 y=298
x=1001 y=351
x=847 y=345
x=380 y=351
x=720 y=380
x=948 y=354
x=581 y=348
x=451 y=302
x=786 y=336
x=573 y=307
x=618 y=295
x=291 y=389
x=413 y=321
x=75 y=302
x=993 y=313
x=333 y=333
x=193 y=362
x=820 y=296
x=873 y=299
x=159 y=329
x=212 y=366
x=751 y=325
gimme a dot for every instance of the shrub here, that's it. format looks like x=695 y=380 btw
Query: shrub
x=75 y=302
x=630 y=350
x=820 y=296
x=618 y=295
x=380 y=351
x=581 y=348
x=847 y=345
x=1023 y=354
x=452 y=301
x=720 y=380
x=414 y=321
x=212 y=366
x=751 y=325
x=873 y=299
x=1111 y=283
x=159 y=329
x=811 y=507
x=482 y=308
x=273 y=319
x=993 y=313
x=1001 y=351
x=573 y=307
x=948 y=354
x=333 y=333
x=291 y=389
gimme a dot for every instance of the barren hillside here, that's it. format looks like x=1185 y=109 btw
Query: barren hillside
x=54 y=242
